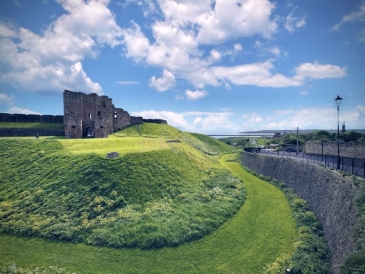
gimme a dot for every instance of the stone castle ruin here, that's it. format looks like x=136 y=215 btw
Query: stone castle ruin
x=85 y=116
x=93 y=116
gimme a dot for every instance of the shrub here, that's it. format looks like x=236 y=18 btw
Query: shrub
x=355 y=264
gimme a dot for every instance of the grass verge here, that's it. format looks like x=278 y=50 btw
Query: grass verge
x=256 y=235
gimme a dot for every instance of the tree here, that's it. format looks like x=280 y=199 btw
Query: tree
x=322 y=135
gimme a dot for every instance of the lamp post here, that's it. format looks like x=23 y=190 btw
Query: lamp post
x=338 y=102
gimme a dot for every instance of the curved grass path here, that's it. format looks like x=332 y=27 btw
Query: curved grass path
x=261 y=230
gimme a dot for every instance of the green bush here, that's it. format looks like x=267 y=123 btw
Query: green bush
x=355 y=264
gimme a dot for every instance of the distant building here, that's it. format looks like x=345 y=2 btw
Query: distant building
x=343 y=127
x=93 y=116
x=277 y=135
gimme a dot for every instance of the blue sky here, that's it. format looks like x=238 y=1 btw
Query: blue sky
x=214 y=67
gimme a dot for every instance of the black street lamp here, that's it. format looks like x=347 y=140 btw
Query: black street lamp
x=338 y=102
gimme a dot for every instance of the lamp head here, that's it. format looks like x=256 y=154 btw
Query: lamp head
x=338 y=100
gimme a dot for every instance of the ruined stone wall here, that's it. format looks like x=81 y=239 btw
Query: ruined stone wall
x=73 y=113
x=30 y=118
x=9 y=132
x=350 y=149
x=136 y=120
x=87 y=115
x=329 y=195
x=98 y=109
x=121 y=119
x=155 y=121
x=90 y=115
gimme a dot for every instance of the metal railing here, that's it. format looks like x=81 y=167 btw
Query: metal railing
x=351 y=165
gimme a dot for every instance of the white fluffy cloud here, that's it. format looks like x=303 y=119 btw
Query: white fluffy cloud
x=257 y=74
x=202 y=122
x=177 y=43
x=163 y=83
x=173 y=118
x=52 y=61
x=319 y=71
x=195 y=95
x=28 y=72
x=308 y=118
x=186 y=26
x=222 y=123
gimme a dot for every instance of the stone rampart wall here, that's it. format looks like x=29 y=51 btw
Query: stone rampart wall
x=30 y=118
x=349 y=150
x=155 y=121
x=9 y=132
x=329 y=195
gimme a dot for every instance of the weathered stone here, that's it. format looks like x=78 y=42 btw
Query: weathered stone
x=349 y=150
x=329 y=195
x=30 y=118
x=6 y=132
x=90 y=115
x=112 y=155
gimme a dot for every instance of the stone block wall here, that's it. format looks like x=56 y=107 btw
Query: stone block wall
x=155 y=121
x=329 y=195
x=90 y=115
x=121 y=119
x=8 y=132
x=87 y=115
x=30 y=118
x=349 y=150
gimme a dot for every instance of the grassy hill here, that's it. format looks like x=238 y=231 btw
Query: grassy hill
x=245 y=243
x=144 y=212
x=167 y=189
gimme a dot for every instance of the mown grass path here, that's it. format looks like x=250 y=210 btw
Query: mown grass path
x=261 y=230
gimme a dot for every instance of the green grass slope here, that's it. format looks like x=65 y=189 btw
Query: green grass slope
x=256 y=235
x=170 y=190
x=32 y=125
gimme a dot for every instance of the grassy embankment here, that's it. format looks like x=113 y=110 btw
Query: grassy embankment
x=178 y=193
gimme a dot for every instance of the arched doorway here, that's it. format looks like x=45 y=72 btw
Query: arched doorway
x=88 y=130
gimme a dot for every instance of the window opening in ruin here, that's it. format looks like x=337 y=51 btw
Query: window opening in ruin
x=99 y=113
x=89 y=116
x=101 y=127
x=115 y=115
x=73 y=126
